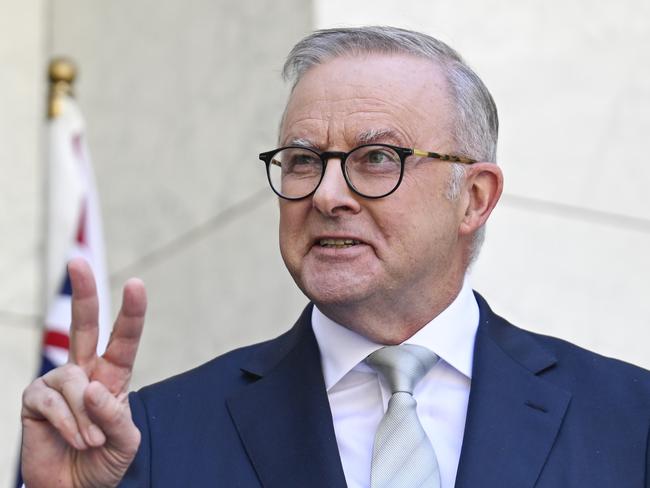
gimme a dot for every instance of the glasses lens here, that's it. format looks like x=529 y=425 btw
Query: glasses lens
x=295 y=172
x=373 y=171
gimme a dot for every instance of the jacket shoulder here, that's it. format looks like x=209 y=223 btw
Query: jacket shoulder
x=581 y=370
x=591 y=377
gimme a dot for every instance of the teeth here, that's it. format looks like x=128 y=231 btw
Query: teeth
x=338 y=243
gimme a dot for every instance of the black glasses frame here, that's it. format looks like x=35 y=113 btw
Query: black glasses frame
x=402 y=152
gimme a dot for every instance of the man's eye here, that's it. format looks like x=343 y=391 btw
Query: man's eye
x=301 y=163
x=302 y=159
x=378 y=157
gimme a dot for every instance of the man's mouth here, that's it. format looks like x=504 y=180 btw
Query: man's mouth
x=338 y=243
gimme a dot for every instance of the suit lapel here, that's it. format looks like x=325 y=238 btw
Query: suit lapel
x=513 y=415
x=283 y=417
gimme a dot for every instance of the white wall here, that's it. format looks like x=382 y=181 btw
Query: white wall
x=567 y=248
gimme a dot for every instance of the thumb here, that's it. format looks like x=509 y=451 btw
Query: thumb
x=113 y=416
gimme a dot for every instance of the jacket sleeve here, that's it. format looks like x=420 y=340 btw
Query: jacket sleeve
x=139 y=473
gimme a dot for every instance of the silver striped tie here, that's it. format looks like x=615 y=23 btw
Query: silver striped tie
x=402 y=456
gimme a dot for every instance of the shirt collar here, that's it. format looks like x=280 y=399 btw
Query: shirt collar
x=450 y=335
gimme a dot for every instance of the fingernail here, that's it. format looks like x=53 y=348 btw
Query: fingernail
x=79 y=442
x=95 y=435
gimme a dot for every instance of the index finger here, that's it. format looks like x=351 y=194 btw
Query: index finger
x=84 y=327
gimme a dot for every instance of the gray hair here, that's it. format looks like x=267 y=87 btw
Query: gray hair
x=476 y=123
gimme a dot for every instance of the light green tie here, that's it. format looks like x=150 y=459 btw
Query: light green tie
x=402 y=456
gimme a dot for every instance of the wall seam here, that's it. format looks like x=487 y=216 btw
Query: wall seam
x=573 y=212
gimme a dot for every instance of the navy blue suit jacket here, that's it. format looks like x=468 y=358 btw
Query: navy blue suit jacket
x=542 y=413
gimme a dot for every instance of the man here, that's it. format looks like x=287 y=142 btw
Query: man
x=386 y=177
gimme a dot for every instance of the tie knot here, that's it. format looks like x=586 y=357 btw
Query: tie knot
x=402 y=366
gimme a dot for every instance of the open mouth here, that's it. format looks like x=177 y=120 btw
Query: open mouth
x=338 y=243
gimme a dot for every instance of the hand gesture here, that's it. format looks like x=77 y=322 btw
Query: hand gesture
x=77 y=426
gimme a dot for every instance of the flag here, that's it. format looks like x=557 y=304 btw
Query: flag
x=73 y=227
x=73 y=230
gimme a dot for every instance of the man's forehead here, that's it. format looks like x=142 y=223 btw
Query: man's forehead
x=369 y=98
x=364 y=72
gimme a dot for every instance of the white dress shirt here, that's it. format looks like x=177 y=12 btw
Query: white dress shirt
x=358 y=398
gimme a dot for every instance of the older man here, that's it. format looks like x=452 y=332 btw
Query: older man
x=386 y=177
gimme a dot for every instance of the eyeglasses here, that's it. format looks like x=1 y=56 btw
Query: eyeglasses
x=370 y=170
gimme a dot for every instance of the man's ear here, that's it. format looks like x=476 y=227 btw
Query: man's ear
x=483 y=187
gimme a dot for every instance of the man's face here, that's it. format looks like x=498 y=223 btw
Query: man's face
x=405 y=246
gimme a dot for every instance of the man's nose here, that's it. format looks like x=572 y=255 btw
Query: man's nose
x=333 y=196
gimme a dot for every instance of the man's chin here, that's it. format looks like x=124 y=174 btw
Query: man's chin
x=337 y=284
x=342 y=293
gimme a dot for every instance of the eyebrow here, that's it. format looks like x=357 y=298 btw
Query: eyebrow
x=301 y=142
x=370 y=136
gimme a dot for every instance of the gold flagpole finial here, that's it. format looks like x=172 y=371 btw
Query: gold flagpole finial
x=61 y=73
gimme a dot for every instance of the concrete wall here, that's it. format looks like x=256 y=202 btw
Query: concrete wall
x=179 y=98
x=567 y=248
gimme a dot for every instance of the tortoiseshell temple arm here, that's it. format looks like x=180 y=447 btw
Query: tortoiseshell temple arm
x=443 y=157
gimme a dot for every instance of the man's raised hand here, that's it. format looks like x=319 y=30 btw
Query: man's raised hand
x=77 y=427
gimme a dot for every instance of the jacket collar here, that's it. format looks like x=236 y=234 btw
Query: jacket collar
x=514 y=415
x=283 y=418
